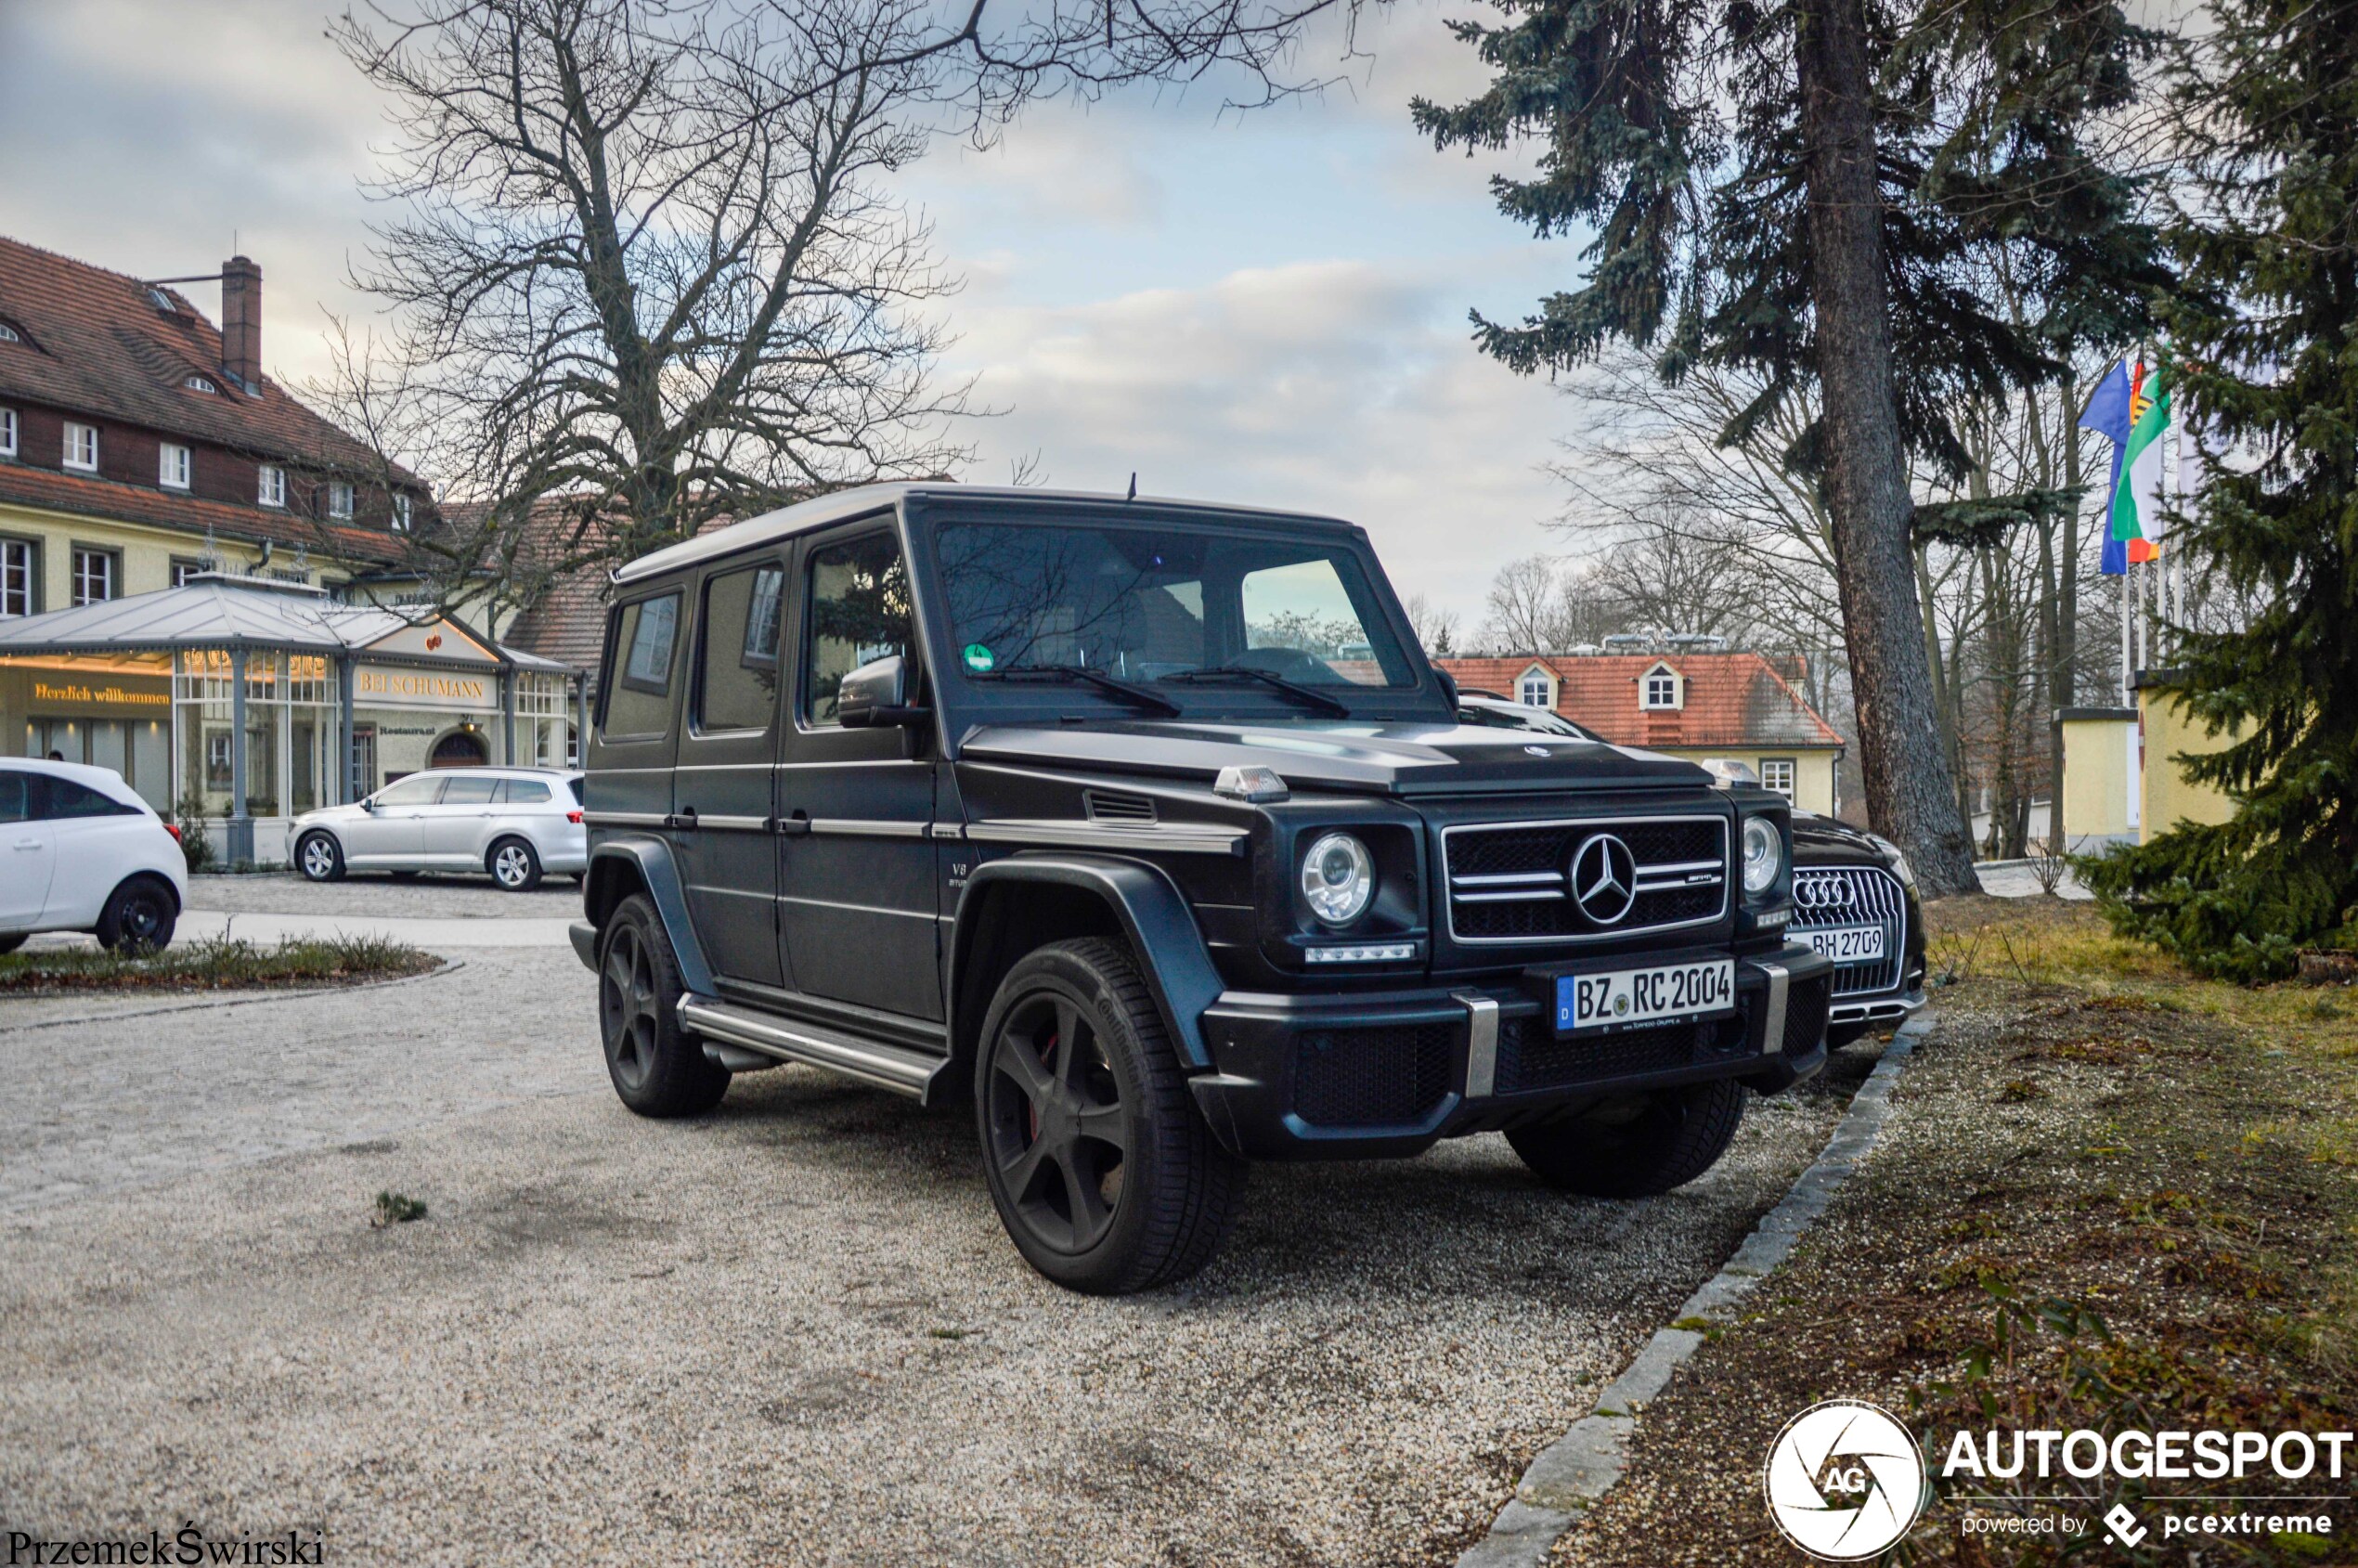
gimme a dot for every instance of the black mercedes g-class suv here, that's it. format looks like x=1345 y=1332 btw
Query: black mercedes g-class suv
x=1146 y=827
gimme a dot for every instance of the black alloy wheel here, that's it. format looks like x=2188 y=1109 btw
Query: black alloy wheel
x=657 y=1068
x=1102 y=1169
x=1057 y=1124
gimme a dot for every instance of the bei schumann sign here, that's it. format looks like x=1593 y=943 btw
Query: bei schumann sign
x=373 y=687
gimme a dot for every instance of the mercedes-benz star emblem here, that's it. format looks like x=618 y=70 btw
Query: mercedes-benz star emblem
x=1604 y=878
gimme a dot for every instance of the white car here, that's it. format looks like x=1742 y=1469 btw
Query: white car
x=81 y=852
x=512 y=823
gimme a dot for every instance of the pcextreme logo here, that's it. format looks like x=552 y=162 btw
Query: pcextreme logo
x=1845 y=1480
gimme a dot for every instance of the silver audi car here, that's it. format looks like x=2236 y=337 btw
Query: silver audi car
x=513 y=823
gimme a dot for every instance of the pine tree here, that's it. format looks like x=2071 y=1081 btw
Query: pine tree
x=1817 y=193
x=2268 y=326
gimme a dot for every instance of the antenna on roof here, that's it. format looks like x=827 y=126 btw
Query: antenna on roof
x=1133 y=486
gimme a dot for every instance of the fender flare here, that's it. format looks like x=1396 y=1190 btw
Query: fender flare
x=1153 y=913
x=660 y=873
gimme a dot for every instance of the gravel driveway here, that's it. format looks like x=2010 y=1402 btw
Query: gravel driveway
x=791 y=1331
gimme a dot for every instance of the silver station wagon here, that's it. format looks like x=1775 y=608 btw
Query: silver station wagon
x=512 y=823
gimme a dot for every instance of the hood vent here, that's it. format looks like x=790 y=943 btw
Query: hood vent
x=1118 y=810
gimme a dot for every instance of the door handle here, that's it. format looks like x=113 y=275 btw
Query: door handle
x=794 y=826
x=684 y=819
x=30 y=846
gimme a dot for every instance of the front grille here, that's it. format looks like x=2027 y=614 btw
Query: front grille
x=1379 y=1077
x=1806 y=1005
x=1507 y=881
x=1530 y=1057
x=1854 y=896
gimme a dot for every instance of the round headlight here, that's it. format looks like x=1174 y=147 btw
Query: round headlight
x=1764 y=854
x=1337 y=878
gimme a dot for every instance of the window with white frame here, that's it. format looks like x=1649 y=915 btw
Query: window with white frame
x=18 y=558
x=9 y=334
x=81 y=446
x=201 y=383
x=7 y=433
x=92 y=579
x=1776 y=772
x=339 y=498
x=172 y=465
x=272 y=489
x=1535 y=691
x=401 y=513
x=1661 y=688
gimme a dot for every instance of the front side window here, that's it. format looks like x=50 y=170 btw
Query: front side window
x=1776 y=772
x=858 y=614
x=272 y=489
x=737 y=678
x=417 y=789
x=94 y=573
x=339 y=498
x=81 y=446
x=17 y=562
x=640 y=702
x=171 y=466
x=1194 y=612
x=16 y=796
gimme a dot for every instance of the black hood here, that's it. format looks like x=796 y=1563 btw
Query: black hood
x=1416 y=757
x=1824 y=841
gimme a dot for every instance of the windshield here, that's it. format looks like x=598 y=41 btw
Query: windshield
x=1165 y=609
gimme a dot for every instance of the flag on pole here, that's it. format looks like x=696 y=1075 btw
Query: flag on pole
x=2136 y=493
x=2107 y=414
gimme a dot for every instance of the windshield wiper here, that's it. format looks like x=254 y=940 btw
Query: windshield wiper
x=1310 y=696
x=1138 y=696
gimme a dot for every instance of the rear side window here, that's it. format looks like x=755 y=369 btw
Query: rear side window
x=737 y=680
x=638 y=700
x=67 y=799
x=523 y=792
x=574 y=786
x=16 y=799
x=467 y=790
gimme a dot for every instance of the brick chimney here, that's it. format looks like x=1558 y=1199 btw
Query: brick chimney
x=241 y=321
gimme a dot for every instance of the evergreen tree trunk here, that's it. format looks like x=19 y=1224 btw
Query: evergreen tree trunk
x=1910 y=794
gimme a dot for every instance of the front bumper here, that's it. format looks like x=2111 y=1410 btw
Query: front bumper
x=1322 y=1077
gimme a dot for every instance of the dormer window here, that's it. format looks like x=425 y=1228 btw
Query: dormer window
x=9 y=334
x=272 y=489
x=1658 y=690
x=162 y=302
x=80 y=447
x=400 y=515
x=202 y=383
x=7 y=433
x=1537 y=689
x=171 y=466
x=339 y=498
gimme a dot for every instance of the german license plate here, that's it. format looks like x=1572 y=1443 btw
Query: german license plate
x=1846 y=944
x=1637 y=996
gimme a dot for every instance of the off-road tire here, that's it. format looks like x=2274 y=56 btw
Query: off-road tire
x=138 y=916
x=515 y=873
x=1635 y=1150
x=319 y=858
x=658 y=1068
x=1179 y=1190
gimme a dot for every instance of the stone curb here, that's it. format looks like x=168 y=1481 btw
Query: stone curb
x=1572 y=1473
x=448 y=966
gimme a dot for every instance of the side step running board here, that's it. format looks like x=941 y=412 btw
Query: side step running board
x=887 y=1067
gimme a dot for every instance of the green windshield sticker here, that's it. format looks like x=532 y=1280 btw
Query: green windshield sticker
x=979 y=659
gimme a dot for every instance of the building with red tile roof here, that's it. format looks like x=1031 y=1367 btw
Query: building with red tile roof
x=1741 y=707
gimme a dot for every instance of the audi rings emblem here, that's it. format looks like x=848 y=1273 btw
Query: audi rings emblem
x=1820 y=892
x=1603 y=878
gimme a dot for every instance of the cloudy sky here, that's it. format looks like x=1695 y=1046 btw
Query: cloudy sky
x=1259 y=307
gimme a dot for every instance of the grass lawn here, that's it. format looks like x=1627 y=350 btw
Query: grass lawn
x=218 y=964
x=2112 y=1197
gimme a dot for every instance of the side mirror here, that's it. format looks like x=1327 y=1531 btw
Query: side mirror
x=368 y=805
x=877 y=694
